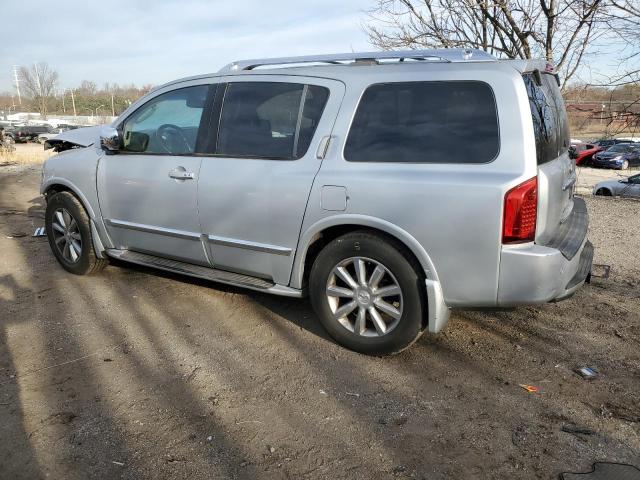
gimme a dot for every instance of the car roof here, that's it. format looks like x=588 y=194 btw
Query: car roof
x=342 y=66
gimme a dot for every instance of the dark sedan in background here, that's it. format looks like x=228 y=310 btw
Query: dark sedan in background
x=620 y=156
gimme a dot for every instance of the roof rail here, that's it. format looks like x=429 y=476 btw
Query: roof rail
x=441 y=55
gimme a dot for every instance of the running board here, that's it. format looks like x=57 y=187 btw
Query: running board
x=205 y=273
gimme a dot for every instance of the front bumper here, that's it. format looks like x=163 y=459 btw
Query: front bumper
x=532 y=273
x=606 y=164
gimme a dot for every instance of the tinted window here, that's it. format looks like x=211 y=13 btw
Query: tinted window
x=269 y=120
x=167 y=124
x=549 y=116
x=431 y=122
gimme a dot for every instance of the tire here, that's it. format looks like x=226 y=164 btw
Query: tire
x=397 y=327
x=71 y=234
x=603 y=192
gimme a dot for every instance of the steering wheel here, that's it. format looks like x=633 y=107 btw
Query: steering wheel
x=171 y=138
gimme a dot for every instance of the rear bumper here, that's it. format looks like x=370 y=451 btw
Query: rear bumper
x=533 y=273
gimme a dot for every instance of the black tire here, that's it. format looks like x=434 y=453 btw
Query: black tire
x=375 y=250
x=603 y=192
x=87 y=261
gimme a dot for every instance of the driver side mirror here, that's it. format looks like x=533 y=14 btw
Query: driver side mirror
x=110 y=140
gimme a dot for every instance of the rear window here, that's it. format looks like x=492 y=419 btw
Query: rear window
x=549 y=116
x=425 y=122
x=269 y=120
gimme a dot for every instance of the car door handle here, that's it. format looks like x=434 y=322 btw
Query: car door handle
x=181 y=174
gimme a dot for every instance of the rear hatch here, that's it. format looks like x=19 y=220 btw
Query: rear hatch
x=557 y=207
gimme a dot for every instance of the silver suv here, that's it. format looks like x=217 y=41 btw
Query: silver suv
x=390 y=186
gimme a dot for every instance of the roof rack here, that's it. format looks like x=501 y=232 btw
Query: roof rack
x=447 y=55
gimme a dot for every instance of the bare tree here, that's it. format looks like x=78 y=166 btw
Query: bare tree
x=39 y=83
x=561 y=31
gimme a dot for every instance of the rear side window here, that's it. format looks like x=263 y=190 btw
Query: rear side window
x=269 y=120
x=549 y=116
x=425 y=122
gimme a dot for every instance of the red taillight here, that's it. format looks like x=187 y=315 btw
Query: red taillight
x=520 y=212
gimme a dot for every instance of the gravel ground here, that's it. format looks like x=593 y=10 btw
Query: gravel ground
x=137 y=374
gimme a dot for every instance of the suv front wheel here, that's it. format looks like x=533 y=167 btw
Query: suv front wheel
x=69 y=234
x=368 y=295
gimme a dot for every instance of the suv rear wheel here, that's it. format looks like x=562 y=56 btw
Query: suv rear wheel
x=69 y=234
x=368 y=295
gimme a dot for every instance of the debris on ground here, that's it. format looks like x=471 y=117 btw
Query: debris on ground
x=606 y=471
x=576 y=429
x=529 y=388
x=600 y=271
x=588 y=373
x=40 y=232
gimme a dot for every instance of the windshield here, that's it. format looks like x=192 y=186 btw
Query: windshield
x=619 y=148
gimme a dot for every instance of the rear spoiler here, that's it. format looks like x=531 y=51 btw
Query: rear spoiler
x=536 y=66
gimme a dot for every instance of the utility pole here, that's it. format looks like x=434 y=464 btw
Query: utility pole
x=73 y=101
x=17 y=80
x=113 y=110
x=64 y=110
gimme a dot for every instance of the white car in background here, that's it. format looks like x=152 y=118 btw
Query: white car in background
x=626 y=187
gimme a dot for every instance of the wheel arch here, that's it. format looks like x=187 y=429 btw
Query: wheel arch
x=56 y=185
x=317 y=235
x=604 y=191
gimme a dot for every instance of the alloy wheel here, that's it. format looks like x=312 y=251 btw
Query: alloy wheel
x=66 y=235
x=364 y=297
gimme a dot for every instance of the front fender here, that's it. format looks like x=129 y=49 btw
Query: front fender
x=48 y=183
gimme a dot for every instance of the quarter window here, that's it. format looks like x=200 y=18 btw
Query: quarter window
x=549 y=116
x=167 y=124
x=426 y=122
x=269 y=120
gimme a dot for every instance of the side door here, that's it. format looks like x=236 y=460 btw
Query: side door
x=148 y=190
x=632 y=188
x=265 y=151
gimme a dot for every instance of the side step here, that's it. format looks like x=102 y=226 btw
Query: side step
x=206 y=273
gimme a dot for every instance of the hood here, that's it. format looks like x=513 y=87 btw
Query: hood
x=78 y=138
x=609 y=155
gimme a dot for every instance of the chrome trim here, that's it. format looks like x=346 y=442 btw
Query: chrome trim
x=258 y=247
x=170 y=232
x=211 y=274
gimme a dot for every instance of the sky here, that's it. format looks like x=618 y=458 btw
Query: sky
x=155 y=41
x=152 y=42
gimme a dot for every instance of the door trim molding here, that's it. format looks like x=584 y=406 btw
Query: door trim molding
x=140 y=227
x=247 y=245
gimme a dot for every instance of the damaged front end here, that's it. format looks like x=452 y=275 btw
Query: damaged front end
x=79 y=138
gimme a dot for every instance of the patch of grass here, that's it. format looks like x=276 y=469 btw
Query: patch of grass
x=25 y=154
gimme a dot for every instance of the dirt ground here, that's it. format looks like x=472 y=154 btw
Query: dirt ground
x=137 y=374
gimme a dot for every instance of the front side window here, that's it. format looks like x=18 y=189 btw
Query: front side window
x=167 y=124
x=269 y=120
